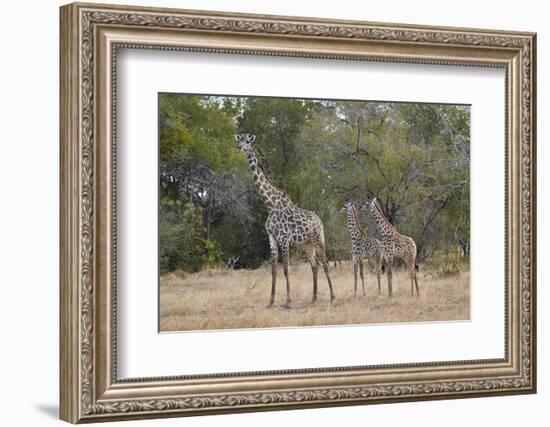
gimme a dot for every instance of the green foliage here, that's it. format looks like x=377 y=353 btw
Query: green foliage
x=447 y=263
x=414 y=157
x=249 y=244
x=200 y=128
x=180 y=235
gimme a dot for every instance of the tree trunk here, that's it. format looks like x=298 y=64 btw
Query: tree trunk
x=206 y=221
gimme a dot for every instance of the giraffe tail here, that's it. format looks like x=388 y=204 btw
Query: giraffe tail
x=416 y=267
x=383 y=269
x=322 y=234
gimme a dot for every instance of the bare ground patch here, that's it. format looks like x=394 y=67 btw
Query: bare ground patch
x=224 y=299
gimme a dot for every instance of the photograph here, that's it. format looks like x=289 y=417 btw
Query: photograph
x=292 y=212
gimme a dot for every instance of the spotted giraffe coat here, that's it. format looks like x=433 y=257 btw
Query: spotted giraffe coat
x=363 y=246
x=287 y=224
x=395 y=244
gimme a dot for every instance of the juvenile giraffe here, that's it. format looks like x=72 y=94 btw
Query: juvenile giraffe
x=287 y=224
x=395 y=245
x=362 y=246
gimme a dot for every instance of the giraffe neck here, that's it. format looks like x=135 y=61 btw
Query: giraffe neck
x=354 y=226
x=273 y=197
x=384 y=226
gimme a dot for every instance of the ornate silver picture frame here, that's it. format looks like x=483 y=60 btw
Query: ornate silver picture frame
x=91 y=36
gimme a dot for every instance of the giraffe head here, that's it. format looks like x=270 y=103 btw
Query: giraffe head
x=348 y=204
x=245 y=141
x=368 y=204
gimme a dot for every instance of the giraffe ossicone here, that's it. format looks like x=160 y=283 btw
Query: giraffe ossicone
x=287 y=224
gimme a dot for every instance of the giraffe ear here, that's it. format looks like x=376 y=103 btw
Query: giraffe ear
x=237 y=137
x=252 y=138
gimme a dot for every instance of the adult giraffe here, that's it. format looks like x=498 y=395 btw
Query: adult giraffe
x=395 y=245
x=287 y=224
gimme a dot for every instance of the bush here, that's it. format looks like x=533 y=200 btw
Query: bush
x=447 y=263
x=181 y=243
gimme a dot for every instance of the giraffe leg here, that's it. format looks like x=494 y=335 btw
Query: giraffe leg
x=315 y=271
x=285 y=250
x=378 y=271
x=411 y=273
x=415 y=278
x=362 y=276
x=389 y=273
x=274 y=259
x=355 y=265
x=410 y=266
x=323 y=258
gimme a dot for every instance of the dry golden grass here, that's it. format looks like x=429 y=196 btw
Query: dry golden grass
x=222 y=299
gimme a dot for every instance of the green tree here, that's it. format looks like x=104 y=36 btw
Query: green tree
x=413 y=157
